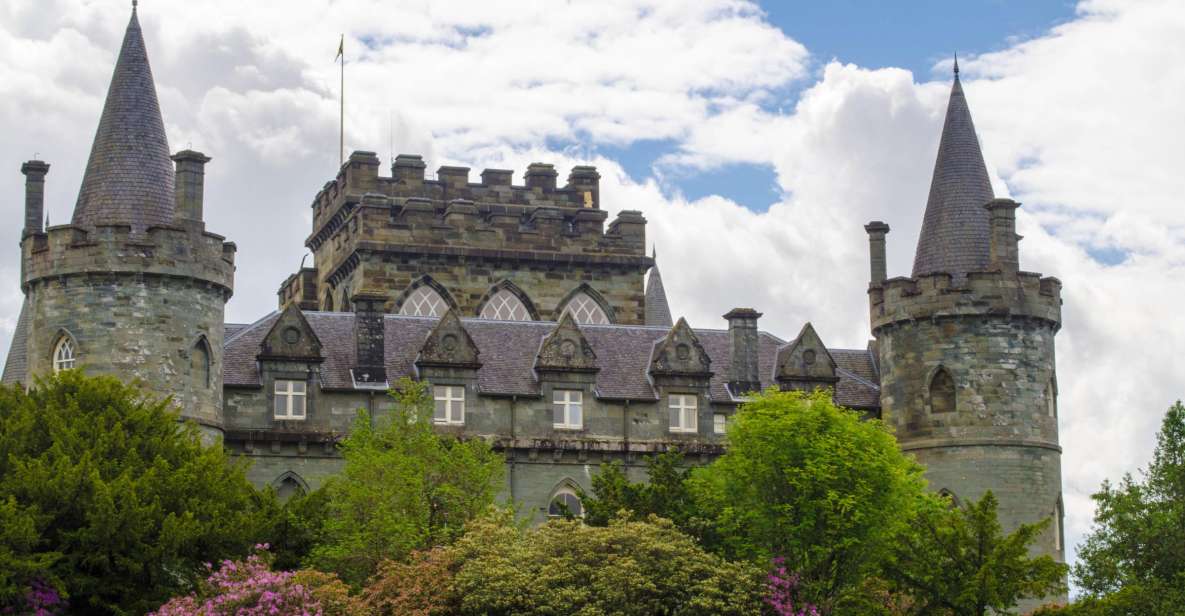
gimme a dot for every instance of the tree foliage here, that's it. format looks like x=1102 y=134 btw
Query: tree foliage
x=625 y=568
x=1133 y=561
x=403 y=487
x=421 y=586
x=106 y=496
x=957 y=560
x=812 y=483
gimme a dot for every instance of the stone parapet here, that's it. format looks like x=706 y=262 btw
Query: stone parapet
x=183 y=251
x=936 y=296
x=575 y=207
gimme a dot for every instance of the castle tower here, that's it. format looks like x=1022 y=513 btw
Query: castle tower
x=134 y=286
x=966 y=345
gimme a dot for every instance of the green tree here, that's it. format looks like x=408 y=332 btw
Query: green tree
x=106 y=495
x=628 y=568
x=957 y=560
x=814 y=484
x=1133 y=561
x=403 y=487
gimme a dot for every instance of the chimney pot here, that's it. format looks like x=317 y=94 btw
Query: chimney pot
x=34 y=171
x=1004 y=251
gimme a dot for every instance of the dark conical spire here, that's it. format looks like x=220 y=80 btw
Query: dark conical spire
x=955 y=229
x=129 y=176
x=658 y=312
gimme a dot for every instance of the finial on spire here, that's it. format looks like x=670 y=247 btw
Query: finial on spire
x=654 y=251
x=134 y=3
x=956 y=65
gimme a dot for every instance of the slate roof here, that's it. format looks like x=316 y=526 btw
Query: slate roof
x=129 y=176
x=658 y=312
x=16 y=367
x=507 y=353
x=955 y=229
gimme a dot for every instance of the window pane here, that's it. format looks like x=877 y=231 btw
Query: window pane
x=718 y=423
x=281 y=405
x=689 y=419
x=298 y=386
x=676 y=419
x=558 y=413
x=577 y=396
x=457 y=393
x=558 y=395
x=574 y=412
x=439 y=414
x=574 y=506
x=281 y=386
x=298 y=406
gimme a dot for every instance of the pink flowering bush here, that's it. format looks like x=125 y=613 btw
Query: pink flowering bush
x=782 y=588
x=247 y=588
x=41 y=599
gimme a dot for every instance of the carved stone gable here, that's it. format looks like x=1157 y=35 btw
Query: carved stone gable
x=680 y=353
x=449 y=345
x=805 y=361
x=566 y=349
x=291 y=337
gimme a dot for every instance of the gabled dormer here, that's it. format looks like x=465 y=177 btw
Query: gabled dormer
x=449 y=346
x=681 y=371
x=566 y=349
x=291 y=338
x=449 y=360
x=805 y=363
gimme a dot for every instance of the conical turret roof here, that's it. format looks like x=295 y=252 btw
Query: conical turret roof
x=955 y=230
x=129 y=176
x=658 y=312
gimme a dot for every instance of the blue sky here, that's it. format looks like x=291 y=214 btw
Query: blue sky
x=913 y=35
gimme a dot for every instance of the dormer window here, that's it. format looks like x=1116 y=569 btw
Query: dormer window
x=568 y=407
x=63 y=354
x=290 y=399
x=450 y=404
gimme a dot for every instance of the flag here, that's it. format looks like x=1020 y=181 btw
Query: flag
x=341 y=48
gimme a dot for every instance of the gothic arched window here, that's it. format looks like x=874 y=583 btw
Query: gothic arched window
x=586 y=310
x=199 y=364
x=63 y=354
x=565 y=503
x=505 y=306
x=942 y=392
x=424 y=301
x=328 y=304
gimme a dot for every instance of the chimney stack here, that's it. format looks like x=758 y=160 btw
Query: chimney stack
x=34 y=171
x=1005 y=254
x=369 y=333
x=877 y=231
x=190 y=184
x=744 y=376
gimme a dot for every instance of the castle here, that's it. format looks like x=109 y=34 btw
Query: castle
x=540 y=325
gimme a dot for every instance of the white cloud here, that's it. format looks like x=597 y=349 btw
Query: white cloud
x=1081 y=124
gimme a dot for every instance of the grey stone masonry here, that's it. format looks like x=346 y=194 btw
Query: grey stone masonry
x=878 y=266
x=191 y=172
x=34 y=171
x=744 y=375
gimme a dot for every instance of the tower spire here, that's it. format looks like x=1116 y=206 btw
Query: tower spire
x=955 y=235
x=129 y=177
x=956 y=65
x=656 y=311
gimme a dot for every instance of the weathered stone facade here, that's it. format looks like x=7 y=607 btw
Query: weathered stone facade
x=469 y=240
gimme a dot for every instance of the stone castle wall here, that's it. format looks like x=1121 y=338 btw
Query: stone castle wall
x=993 y=334
x=382 y=234
x=135 y=306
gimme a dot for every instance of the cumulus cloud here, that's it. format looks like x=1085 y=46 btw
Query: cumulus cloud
x=1085 y=134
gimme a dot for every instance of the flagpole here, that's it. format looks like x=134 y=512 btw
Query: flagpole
x=342 y=97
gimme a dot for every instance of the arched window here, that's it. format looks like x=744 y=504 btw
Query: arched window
x=942 y=392
x=199 y=364
x=288 y=485
x=565 y=504
x=327 y=306
x=586 y=310
x=947 y=494
x=63 y=354
x=424 y=301
x=505 y=306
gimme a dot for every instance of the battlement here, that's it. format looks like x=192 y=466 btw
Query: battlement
x=994 y=293
x=493 y=213
x=183 y=250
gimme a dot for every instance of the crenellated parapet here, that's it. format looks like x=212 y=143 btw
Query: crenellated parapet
x=492 y=214
x=1022 y=295
x=183 y=251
